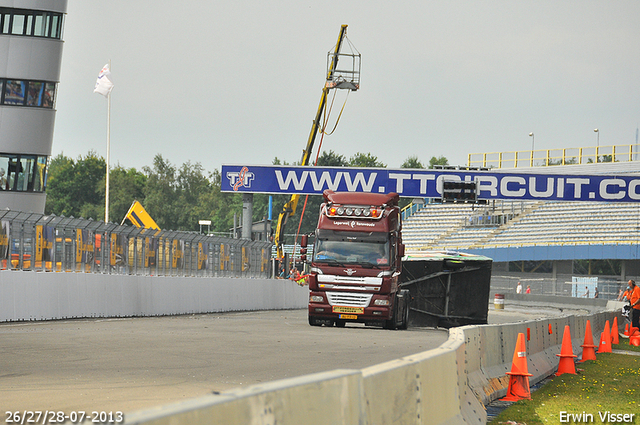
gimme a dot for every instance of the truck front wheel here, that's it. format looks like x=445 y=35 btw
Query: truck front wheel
x=392 y=324
x=400 y=319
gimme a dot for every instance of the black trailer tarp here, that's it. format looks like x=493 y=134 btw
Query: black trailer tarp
x=447 y=288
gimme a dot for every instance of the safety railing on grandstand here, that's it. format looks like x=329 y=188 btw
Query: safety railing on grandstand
x=49 y=243
x=412 y=208
x=547 y=157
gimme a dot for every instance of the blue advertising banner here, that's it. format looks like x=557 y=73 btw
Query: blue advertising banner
x=428 y=183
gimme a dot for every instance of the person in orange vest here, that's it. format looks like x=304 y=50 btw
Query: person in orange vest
x=635 y=304
x=626 y=295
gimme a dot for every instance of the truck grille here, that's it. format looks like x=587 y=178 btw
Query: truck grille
x=328 y=278
x=349 y=299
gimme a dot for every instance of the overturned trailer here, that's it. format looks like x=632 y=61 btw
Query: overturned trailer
x=447 y=288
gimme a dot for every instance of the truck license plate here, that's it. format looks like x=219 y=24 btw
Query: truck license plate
x=349 y=310
x=348 y=316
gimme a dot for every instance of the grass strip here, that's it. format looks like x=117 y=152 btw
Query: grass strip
x=609 y=385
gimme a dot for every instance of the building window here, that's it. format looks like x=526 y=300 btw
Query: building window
x=14 y=92
x=30 y=23
x=38 y=94
x=23 y=173
x=49 y=95
x=40 y=174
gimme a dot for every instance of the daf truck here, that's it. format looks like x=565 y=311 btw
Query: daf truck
x=355 y=270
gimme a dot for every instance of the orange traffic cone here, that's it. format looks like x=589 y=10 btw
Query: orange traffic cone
x=588 y=352
x=566 y=354
x=634 y=340
x=550 y=329
x=634 y=331
x=605 y=340
x=519 y=375
x=626 y=330
x=615 y=335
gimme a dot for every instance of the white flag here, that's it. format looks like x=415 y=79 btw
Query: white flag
x=103 y=83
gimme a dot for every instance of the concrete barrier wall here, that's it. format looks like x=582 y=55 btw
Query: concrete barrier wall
x=447 y=385
x=325 y=398
x=420 y=389
x=46 y=296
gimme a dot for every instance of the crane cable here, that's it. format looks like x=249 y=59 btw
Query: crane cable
x=323 y=132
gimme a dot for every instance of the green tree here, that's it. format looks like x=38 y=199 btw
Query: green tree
x=191 y=185
x=160 y=193
x=365 y=160
x=125 y=186
x=59 y=184
x=412 y=162
x=75 y=188
x=441 y=160
x=331 y=159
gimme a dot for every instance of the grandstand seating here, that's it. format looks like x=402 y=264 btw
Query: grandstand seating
x=456 y=226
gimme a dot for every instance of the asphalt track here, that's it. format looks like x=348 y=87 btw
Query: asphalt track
x=137 y=363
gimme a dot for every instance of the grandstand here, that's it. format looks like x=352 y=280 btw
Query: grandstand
x=557 y=233
x=519 y=224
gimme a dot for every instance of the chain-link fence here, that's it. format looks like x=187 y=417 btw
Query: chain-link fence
x=30 y=241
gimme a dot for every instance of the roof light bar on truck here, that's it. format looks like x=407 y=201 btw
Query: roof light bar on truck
x=340 y=211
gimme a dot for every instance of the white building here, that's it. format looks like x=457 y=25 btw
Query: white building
x=30 y=58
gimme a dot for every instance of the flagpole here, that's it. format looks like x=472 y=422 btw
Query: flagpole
x=106 y=202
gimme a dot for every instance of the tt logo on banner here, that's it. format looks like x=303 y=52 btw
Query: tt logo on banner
x=239 y=179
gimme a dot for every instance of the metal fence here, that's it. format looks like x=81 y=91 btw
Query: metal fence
x=30 y=241
x=566 y=286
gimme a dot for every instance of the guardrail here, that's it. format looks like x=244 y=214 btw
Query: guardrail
x=30 y=241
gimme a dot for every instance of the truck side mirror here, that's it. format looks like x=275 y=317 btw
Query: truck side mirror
x=304 y=241
x=401 y=250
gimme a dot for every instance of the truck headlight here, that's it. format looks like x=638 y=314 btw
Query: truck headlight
x=381 y=302
x=316 y=298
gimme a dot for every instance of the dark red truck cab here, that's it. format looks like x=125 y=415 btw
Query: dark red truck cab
x=357 y=262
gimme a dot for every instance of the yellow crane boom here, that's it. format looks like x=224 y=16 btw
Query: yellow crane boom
x=290 y=207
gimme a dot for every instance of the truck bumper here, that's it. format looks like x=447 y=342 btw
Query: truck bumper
x=349 y=314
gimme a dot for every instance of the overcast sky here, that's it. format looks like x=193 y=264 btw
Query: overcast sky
x=239 y=82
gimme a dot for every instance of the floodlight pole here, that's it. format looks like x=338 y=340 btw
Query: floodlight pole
x=533 y=141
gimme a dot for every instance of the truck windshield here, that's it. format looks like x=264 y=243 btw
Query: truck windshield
x=365 y=249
